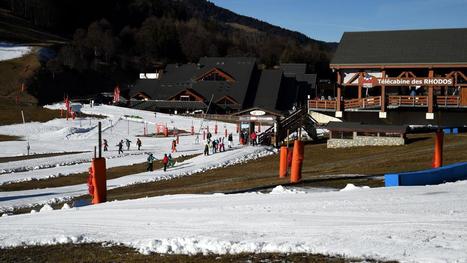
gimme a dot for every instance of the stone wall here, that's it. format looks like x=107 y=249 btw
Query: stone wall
x=365 y=141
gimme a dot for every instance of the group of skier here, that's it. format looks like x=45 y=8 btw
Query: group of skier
x=120 y=144
x=167 y=161
x=216 y=145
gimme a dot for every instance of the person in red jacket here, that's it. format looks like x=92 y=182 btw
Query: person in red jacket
x=253 y=138
x=165 y=161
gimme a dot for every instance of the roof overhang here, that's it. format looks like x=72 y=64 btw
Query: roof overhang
x=398 y=65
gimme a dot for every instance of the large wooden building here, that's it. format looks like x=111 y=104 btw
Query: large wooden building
x=226 y=85
x=400 y=77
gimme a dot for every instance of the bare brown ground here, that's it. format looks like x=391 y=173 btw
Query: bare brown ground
x=32 y=156
x=99 y=253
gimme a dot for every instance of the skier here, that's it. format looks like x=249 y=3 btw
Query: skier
x=221 y=145
x=165 y=161
x=208 y=136
x=128 y=143
x=171 y=162
x=138 y=143
x=150 y=162
x=206 y=148
x=106 y=145
x=230 y=139
x=214 y=146
x=253 y=138
x=120 y=147
x=174 y=146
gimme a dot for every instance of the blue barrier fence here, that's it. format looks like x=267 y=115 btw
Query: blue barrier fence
x=448 y=173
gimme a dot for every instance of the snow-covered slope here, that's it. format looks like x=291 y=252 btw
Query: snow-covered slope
x=9 y=51
x=410 y=224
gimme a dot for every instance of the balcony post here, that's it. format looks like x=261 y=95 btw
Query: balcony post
x=338 y=96
x=382 y=113
x=430 y=114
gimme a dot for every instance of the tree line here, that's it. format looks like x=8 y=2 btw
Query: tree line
x=113 y=36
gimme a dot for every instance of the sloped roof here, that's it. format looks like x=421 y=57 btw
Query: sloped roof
x=293 y=68
x=431 y=46
x=177 y=78
x=268 y=89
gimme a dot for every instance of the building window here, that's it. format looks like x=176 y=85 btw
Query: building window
x=184 y=97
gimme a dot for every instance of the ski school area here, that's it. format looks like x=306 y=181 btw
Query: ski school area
x=426 y=223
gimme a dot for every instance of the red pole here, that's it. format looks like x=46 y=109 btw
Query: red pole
x=225 y=132
x=204 y=135
x=283 y=162
x=438 y=154
x=297 y=161
x=192 y=130
x=178 y=139
x=215 y=129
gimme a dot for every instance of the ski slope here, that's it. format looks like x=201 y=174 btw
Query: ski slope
x=10 y=51
x=409 y=224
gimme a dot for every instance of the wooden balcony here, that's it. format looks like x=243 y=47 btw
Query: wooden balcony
x=448 y=101
x=365 y=103
x=392 y=102
x=327 y=105
x=408 y=101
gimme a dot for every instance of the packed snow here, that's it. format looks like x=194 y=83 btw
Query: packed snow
x=421 y=224
x=10 y=51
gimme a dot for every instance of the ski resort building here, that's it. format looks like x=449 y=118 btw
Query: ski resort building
x=225 y=85
x=399 y=77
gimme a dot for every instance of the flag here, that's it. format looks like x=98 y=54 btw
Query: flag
x=367 y=81
x=117 y=94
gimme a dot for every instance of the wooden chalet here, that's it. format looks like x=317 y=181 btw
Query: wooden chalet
x=400 y=77
x=226 y=85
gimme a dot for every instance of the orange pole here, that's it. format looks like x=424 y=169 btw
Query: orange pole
x=225 y=133
x=283 y=162
x=99 y=180
x=297 y=161
x=438 y=154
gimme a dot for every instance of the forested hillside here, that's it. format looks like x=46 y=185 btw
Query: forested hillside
x=116 y=39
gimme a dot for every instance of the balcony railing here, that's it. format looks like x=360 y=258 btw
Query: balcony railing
x=411 y=101
x=448 y=101
x=322 y=104
x=392 y=101
x=370 y=102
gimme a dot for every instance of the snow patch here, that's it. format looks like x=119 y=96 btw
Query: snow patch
x=352 y=187
x=282 y=190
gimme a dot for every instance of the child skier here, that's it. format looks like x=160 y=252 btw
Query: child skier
x=150 y=162
x=120 y=147
x=138 y=143
x=171 y=162
x=106 y=145
x=165 y=161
